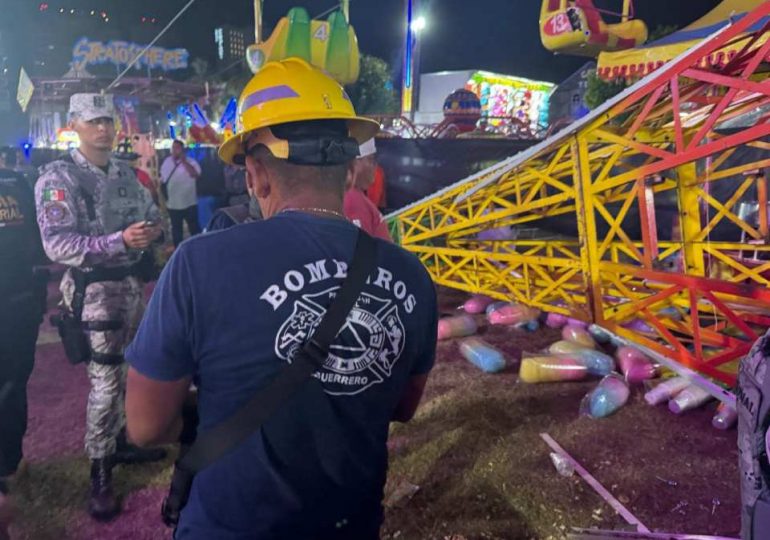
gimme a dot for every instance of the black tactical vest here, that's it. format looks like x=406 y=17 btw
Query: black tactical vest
x=20 y=246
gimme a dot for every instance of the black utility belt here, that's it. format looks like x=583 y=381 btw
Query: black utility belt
x=118 y=273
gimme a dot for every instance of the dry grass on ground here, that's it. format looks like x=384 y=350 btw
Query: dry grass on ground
x=473 y=449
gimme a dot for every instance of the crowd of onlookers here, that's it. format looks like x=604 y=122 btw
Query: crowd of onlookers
x=192 y=198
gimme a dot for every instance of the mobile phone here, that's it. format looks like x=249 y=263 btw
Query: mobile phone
x=150 y=223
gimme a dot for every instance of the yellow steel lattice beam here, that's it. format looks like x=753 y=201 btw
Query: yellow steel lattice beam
x=664 y=140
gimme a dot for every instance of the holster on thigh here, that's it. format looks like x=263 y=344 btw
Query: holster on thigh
x=100 y=356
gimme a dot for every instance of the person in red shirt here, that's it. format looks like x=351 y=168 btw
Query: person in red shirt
x=358 y=207
x=376 y=191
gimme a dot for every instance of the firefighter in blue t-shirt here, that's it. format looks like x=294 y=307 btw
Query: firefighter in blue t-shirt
x=232 y=308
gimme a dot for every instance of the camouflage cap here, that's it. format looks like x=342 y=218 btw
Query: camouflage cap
x=88 y=107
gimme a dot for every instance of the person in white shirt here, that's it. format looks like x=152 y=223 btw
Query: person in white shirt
x=179 y=174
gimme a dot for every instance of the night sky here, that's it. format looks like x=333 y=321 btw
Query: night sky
x=498 y=35
x=495 y=35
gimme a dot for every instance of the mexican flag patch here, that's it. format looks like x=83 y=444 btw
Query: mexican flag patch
x=53 y=195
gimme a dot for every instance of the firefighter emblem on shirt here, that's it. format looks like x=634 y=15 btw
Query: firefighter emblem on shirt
x=367 y=346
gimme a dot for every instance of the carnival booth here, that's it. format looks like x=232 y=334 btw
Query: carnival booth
x=505 y=102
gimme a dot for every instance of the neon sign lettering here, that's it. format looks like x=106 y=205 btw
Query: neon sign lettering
x=120 y=53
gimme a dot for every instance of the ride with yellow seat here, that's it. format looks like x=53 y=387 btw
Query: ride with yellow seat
x=577 y=27
x=331 y=45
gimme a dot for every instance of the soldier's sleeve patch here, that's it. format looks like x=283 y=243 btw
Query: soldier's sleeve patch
x=55 y=212
x=50 y=195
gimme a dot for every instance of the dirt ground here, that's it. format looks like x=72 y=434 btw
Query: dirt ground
x=473 y=454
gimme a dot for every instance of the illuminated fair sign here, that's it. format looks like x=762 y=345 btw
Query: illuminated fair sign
x=219 y=39
x=121 y=53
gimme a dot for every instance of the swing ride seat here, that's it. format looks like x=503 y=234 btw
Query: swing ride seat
x=330 y=45
x=578 y=28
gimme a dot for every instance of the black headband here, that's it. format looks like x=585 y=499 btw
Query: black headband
x=322 y=151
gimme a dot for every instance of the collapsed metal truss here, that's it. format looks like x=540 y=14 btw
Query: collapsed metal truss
x=668 y=136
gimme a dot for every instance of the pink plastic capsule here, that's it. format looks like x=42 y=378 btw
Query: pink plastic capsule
x=636 y=367
x=577 y=323
x=555 y=320
x=460 y=326
x=565 y=347
x=541 y=369
x=725 y=417
x=512 y=314
x=604 y=400
x=477 y=304
x=579 y=336
x=690 y=398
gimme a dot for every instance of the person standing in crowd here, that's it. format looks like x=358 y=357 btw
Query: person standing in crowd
x=179 y=175
x=125 y=152
x=230 y=216
x=358 y=207
x=22 y=305
x=235 y=185
x=241 y=206
x=24 y=167
x=230 y=317
x=753 y=402
x=376 y=191
x=96 y=218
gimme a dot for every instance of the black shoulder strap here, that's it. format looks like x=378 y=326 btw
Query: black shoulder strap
x=176 y=166
x=83 y=192
x=79 y=294
x=90 y=206
x=239 y=213
x=217 y=441
x=67 y=157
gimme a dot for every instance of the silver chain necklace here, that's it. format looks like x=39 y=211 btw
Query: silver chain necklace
x=317 y=210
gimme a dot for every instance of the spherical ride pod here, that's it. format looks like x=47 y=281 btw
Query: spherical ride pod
x=577 y=27
x=462 y=111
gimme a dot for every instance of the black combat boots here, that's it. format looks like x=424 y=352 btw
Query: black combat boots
x=129 y=454
x=103 y=505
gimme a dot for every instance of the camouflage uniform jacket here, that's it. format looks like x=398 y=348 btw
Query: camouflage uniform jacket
x=82 y=211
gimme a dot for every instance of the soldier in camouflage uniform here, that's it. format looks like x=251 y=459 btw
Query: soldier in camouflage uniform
x=96 y=218
x=753 y=401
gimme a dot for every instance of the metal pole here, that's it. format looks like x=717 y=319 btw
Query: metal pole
x=407 y=86
x=345 y=5
x=416 y=61
x=258 y=21
x=690 y=220
x=153 y=42
x=626 y=10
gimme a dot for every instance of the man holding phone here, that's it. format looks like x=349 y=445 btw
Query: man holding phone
x=179 y=175
x=97 y=219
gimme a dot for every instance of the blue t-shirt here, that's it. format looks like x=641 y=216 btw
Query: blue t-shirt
x=231 y=308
